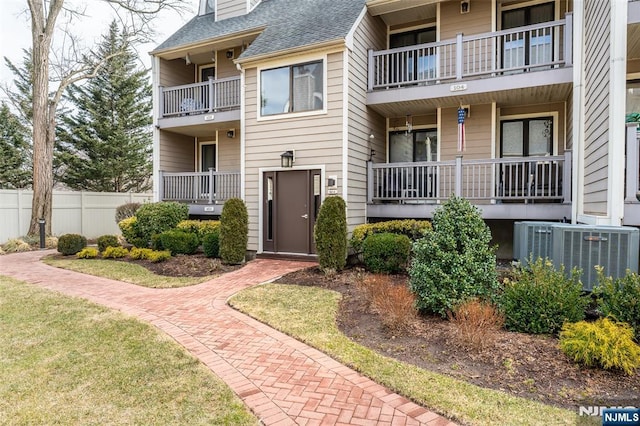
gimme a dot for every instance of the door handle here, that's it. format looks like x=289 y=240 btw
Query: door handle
x=306 y=216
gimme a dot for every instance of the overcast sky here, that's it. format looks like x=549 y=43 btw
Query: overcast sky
x=15 y=29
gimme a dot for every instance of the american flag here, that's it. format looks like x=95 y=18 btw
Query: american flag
x=461 y=115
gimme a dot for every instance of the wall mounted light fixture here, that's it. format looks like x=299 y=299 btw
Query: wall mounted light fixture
x=287 y=159
x=465 y=6
x=231 y=133
x=230 y=54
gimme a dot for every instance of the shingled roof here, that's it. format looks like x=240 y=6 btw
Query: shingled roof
x=285 y=25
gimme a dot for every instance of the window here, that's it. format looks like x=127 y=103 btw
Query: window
x=526 y=137
x=419 y=145
x=295 y=88
x=527 y=47
x=633 y=101
x=420 y=65
x=207 y=71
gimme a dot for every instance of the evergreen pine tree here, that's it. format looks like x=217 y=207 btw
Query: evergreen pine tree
x=15 y=169
x=106 y=141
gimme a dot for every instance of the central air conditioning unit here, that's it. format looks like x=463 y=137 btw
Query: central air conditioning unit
x=532 y=239
x=615 y=248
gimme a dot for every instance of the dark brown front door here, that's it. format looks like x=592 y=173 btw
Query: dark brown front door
x=291 y=201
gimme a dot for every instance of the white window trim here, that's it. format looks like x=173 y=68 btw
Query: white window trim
x=201 y=66
x=288 y=63
x=553 y=114
x=433 y=127
x=199 y=144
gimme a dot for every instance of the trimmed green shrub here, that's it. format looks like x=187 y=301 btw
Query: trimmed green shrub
x=540 y=299
x=131 y=233
x=330 y=233
x=388 y=253
x=156 y=242
x=159 y=256
x=140 y=253
x=453 y=263
x=199 y=227
x=105 y=241
x=115 y=253
x=602 y=343
x=69 y=244
x=234 y=231
x=179 y=242
x=414 y=229
x=16 y=245
x=87 y=253
x=620 y=298
x=126 y=211
x=211 y=244
x=155 y=218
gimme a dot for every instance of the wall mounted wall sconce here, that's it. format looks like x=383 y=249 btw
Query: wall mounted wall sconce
x=287 y=159
x=372 y=151
x=231 y=133
x=187 y=59
x=465 y=6
x=230 y=54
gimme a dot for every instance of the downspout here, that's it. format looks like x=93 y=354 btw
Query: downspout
x=242 y=131
x=577 y=182
x=155 y=81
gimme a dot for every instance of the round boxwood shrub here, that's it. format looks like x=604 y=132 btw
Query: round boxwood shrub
x=211 y=244
x=330 y=234
x=455 y=262
x=234 y=231
x=199 y=227
x=414 y=229
x=179 y=242
x=131 y=233
x=87 y=253
x=126 y=211
x=105 y=241
x=386 y=252
x=620 y=298
x=155 y=218
x=115 y=253
x=69 y=244
x=540 y=299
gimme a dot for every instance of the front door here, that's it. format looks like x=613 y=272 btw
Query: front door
x=291 y=200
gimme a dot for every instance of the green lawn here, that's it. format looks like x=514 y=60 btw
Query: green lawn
x=308 y=314
x=123 y=271
x=66 y=361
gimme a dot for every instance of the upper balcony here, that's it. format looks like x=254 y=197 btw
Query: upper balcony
x=480 y=67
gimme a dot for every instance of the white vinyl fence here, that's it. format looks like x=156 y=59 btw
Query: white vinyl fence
x=91 y=214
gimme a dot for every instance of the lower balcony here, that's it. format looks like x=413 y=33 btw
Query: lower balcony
x=532 y=188
x=204 y=192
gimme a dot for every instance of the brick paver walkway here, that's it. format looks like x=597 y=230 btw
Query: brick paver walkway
x=281 y=379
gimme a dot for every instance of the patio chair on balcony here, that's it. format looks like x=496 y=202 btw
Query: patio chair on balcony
x=189 y=105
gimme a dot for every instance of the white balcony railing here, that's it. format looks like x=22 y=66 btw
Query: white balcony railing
x=546 y=178
x=200 y=98
x=199 y=187
x=523 y=49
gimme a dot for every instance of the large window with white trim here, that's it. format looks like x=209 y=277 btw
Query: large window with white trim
x=293 y=88
x=526 y=137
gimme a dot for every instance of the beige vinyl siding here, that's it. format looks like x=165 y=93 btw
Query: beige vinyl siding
x=452 y=22
x=225 y=68
x=317 y=139
x=230 y=8
x=228 y=152
x=177 y=152
x=477 y=131
x=175 y=73
x=596 y=111
x=362 y=120
x=559 y=124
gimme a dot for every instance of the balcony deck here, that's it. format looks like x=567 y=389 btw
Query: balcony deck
x=204 y=192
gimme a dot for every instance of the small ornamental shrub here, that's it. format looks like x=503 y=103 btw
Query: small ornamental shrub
x=155 y=218
x=126 y=211
x=199 y=227
x=454 y=262
x=179 y=242
x=475 y=324
x=603 y=343
x=393 y=302
x=131 y=233
x=87 y=253
x=69 y=244
x=414 y=229
x=159 y=256
x=139 y=253
x=234 y=231
x=115 y=253
x=330 y=235
x=620 y=298
x=387 y=253
x=211 y=244
x=541 y=299
x=105 y=241
x=51 y=242
x=156 y=242
x=16 y=245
